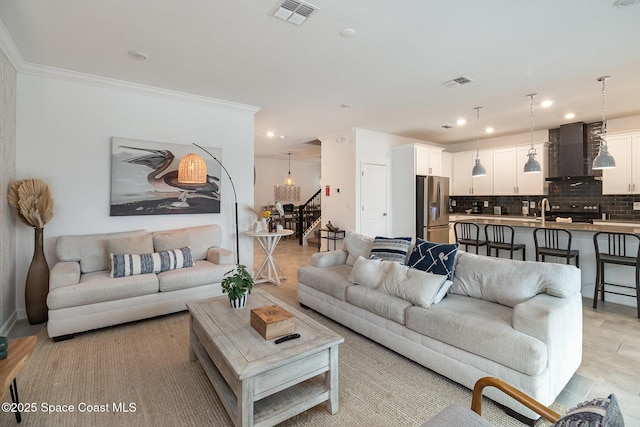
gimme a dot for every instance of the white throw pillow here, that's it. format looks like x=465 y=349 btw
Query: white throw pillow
x=357 y=245
x=415 y=286
x=367 y=272
x=442 y=292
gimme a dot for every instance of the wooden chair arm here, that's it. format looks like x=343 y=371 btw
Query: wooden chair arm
x=526 y=400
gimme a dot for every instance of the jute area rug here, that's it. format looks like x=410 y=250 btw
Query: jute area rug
x=140 y=374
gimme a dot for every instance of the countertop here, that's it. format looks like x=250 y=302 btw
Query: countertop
x=617 y=226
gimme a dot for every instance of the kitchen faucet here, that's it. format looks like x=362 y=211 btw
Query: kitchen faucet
x=542 y=209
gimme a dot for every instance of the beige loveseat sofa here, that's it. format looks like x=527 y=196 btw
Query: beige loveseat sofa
x=516 y=320
x=84 y=296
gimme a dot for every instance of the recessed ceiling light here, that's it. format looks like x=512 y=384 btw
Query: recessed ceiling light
x=461 y=122
x=137 y=55
x=348 y=32
x=281 y=136
x=547 y=103
x=270 y=134
x=569 y=116
x=489 y=130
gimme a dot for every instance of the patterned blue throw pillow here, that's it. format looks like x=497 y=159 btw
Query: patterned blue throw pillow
x=595 y=413
x=436 y=258
x=390 y=248
x=123 y=265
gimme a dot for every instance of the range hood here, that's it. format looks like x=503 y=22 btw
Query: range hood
x=574 y=163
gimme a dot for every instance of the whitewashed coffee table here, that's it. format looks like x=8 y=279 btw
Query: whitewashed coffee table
x=261 y=383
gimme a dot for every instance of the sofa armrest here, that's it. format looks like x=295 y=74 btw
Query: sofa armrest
x=64 y=273
x=558 y=323
x=329 y=259
x=547 y=318
x=220 y=256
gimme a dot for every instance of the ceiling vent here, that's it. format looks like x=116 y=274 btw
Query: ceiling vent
x=294 y=11
x=462 y=80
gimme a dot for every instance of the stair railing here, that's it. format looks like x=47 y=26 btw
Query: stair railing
x=308 y=213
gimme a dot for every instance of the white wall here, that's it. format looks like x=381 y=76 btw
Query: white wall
x=269 y=172
x=342 y=157
x=8 y=221
x=64 y=130
x=338 y=164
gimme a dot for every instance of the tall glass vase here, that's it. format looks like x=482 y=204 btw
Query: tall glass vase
x=37 y=285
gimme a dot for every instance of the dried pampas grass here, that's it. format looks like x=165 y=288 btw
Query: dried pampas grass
x=32 y=201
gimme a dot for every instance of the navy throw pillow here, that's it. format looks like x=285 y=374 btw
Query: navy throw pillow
x=436 y=258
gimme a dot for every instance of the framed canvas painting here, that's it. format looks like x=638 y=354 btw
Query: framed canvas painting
x=144 y=179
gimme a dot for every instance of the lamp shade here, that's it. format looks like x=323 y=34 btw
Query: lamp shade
x=603 y=160
x=478 y=169
x=192 y=170
x=532 y=165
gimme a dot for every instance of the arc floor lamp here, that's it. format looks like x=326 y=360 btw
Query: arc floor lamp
x=193 y=170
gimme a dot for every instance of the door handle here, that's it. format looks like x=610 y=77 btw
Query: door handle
x=384 y=214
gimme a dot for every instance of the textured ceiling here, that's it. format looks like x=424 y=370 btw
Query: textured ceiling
x=391 y=72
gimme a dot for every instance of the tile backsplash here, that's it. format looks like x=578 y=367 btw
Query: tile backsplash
x=580 y=193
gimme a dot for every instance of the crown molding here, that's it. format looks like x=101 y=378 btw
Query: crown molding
x=108 y=83
x=9 y=47
x=15 y=57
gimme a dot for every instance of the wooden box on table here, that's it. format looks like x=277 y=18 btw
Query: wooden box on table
x=272 y=321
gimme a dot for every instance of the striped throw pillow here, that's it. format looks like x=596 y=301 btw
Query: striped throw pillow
x=130 y=264
x=391 y=248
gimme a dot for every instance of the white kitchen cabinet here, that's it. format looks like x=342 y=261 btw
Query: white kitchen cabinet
x=463 y=183
x=428 y=160
x=625 y=177
x=508 y=174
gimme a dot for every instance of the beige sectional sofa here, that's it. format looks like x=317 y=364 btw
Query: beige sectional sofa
x=84 y=296
x=516 y=320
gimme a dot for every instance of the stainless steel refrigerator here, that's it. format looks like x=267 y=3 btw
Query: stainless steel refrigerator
x=432 y=208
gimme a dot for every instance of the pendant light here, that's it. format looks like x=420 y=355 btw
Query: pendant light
x=289 y=181
x=532 y=165
x=603 y=160
x=478 y=169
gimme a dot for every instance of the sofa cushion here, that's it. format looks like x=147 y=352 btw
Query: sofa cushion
x=384 y=305
x=131 y=264
x=99 y=287
x=130 y=245
x=367 y=272
x=436 y=258
x=202 y=273
x=357 y=245
x=477 y=326
x=391 y=248
x=415 y=286
x=595 y=413
x=200 y=239
x=510 y=282
x=90 y=249
x=330 y=280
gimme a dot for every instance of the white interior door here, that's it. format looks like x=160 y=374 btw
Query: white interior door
x=373 y=196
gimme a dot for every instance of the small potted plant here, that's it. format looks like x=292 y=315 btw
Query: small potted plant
x=237 y=284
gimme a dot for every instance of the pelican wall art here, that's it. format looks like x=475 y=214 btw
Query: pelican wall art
x=144 y=180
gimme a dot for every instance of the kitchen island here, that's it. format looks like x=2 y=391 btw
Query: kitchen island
x=582 y=240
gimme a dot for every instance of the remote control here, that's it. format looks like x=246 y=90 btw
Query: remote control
x=287 y=338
